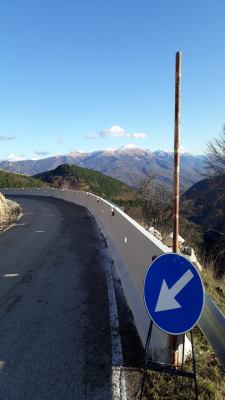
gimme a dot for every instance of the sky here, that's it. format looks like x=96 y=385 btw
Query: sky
x=95 y=74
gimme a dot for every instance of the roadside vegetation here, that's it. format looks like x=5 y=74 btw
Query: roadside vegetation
x=11 y=180
x=9 y=212
x=214 y=284
x=153 y=206
x=210 y=377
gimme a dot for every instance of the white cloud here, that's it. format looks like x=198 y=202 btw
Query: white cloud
x=116 y=131
x=37 y=155
x=7 y=137
x=42 y=153
x=14 y=157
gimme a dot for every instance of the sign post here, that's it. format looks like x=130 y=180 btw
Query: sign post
x=174 y=300
x=176 y=179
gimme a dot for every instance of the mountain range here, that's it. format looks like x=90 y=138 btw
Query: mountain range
x=129 y=164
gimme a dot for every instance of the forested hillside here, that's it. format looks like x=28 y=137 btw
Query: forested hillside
x=9 y=179
x=74 y=177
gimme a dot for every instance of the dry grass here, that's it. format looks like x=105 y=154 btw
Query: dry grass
x=210 y=377
x=214 y=286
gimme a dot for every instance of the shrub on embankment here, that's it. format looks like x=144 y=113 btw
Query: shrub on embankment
x=9 y=212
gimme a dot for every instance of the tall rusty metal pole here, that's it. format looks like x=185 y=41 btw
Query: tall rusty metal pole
x=176 y=182
x=176 y=192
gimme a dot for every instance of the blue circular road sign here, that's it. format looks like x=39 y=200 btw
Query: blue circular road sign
x=173 y=293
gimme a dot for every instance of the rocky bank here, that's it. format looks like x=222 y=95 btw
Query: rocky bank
x=9 y=212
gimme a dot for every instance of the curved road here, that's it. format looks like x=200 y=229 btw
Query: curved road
x=55 y=333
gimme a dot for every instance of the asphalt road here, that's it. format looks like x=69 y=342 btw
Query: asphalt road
x=55 y=333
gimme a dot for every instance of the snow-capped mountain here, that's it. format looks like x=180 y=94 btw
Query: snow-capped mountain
x=128 y=163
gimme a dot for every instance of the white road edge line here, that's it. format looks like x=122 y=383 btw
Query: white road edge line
x=118 y=379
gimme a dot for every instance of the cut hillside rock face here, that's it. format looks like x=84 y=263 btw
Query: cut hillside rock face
x=9 y=212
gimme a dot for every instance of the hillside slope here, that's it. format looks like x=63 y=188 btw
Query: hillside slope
x=208 y=197
x=74 y=177
x=9 y=179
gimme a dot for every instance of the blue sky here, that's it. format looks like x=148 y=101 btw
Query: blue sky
x=93 y=74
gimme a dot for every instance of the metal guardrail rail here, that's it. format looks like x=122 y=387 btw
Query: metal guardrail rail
x=212 y=325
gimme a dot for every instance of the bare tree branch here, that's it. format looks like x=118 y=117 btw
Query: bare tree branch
x=215 y=161
x=157 y=203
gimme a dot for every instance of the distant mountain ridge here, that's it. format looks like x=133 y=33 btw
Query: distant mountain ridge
x=129 y=164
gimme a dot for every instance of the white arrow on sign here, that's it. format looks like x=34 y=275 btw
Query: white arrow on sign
x=166 y=300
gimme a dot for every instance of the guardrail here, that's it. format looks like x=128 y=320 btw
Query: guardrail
x=132 y=248
x=212 y=324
